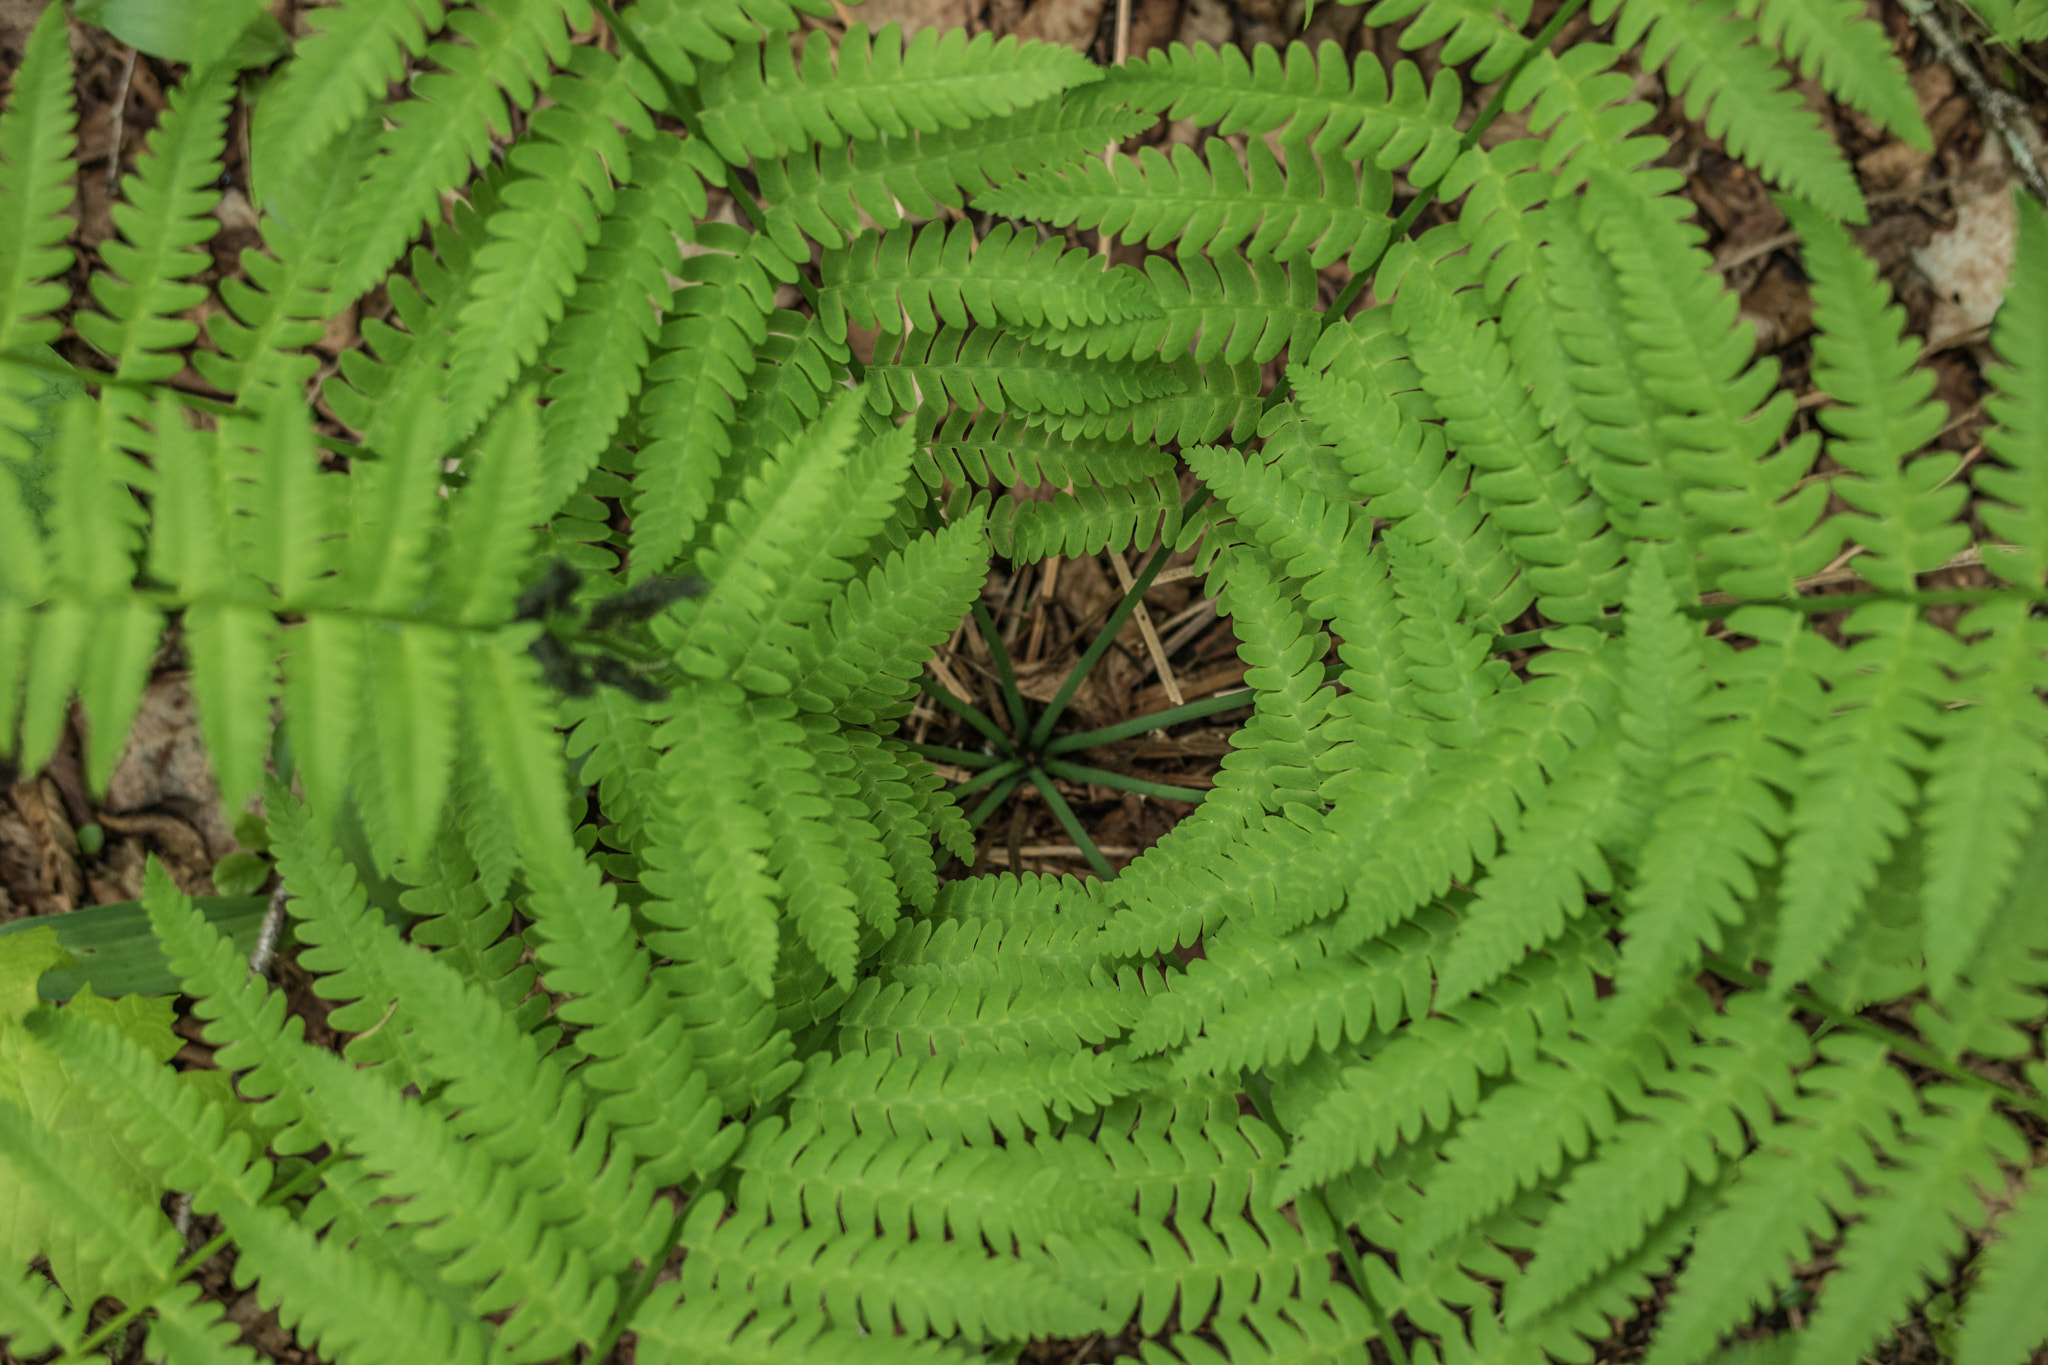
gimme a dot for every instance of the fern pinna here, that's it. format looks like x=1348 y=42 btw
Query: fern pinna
x=1586 y=909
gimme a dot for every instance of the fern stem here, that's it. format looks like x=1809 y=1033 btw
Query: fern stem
x=965 y=758
x=1071 y=823
x=989 y=729
x=982 y=779
x=995 y=798
x=1158 y=720
x=303 y=1180
x=1075 y=772
x=1916 y=1052
x=1110 y=627
x=1005 y=675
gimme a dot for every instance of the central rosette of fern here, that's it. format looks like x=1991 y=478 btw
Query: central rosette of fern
x=1029 y=750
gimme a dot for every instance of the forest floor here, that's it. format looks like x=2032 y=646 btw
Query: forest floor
x=1941 y=233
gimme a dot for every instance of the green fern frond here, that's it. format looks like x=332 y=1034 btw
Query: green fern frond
x=1763 y=537
x=278 y=308
x=1731 y=85
x=1523 y=1132
x=599 y=350
x=1222 y=309
x=814 y=505
x=539 y=242
x=991 y=449
x=2017 y=507
x=759 y=104
x=1228 y=1265
x=893 y=809
x=1984 y=785
x=854 y=1182
x=353 y=53
x=1469 y=27
x=1434 y=1069
x=1859 y=760
x=344 y=1302
x=1090 y=520
x=374 y=395
x=2006 y=1320
x=97 y=1234
x=858 y=659
x=166 y=216
x=1715 y=827
x=1400 y=465
x=1552 y=524
x=680 y=33
x=97 y=637
x=640 y=1060
x=498 y=49
x=1277 y=752
x=341 y=931
x=1344 y=999
x=462 y=913
x=33 y=1315
x=719 y=859
x=730 y=1330
x=1314 y=208
x=1210 y=868
x=2005 y=976
x=1861 y=359
x=489 y=521
x=926 y=1286
x=686 y=413
x=1613 y=416
x=256 y=1040
x=1916 y=1224
x=973 y=1099
x=36 y=144
x=1609 y=1204
x=1783 y=1195
x=479 y=1227
x=826 y=193
x=1001 y=371
x=978 y=1017
x=1849 y=53
x=805 y=855
x=939 y=278
x=1312 y=95
x=502 y=1092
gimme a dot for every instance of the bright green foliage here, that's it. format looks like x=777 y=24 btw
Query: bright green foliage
x=758 y=104
x=1320 y=210
x=169 y=206
x=1576 y=920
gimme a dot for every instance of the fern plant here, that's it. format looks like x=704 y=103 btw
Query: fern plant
x=1588 y=913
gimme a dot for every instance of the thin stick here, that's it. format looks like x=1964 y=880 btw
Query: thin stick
x=1152 y=645
x=120 y=112
x=1119 y=55
x=2001 y=109
x=1048 y=584
x=265 y=951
